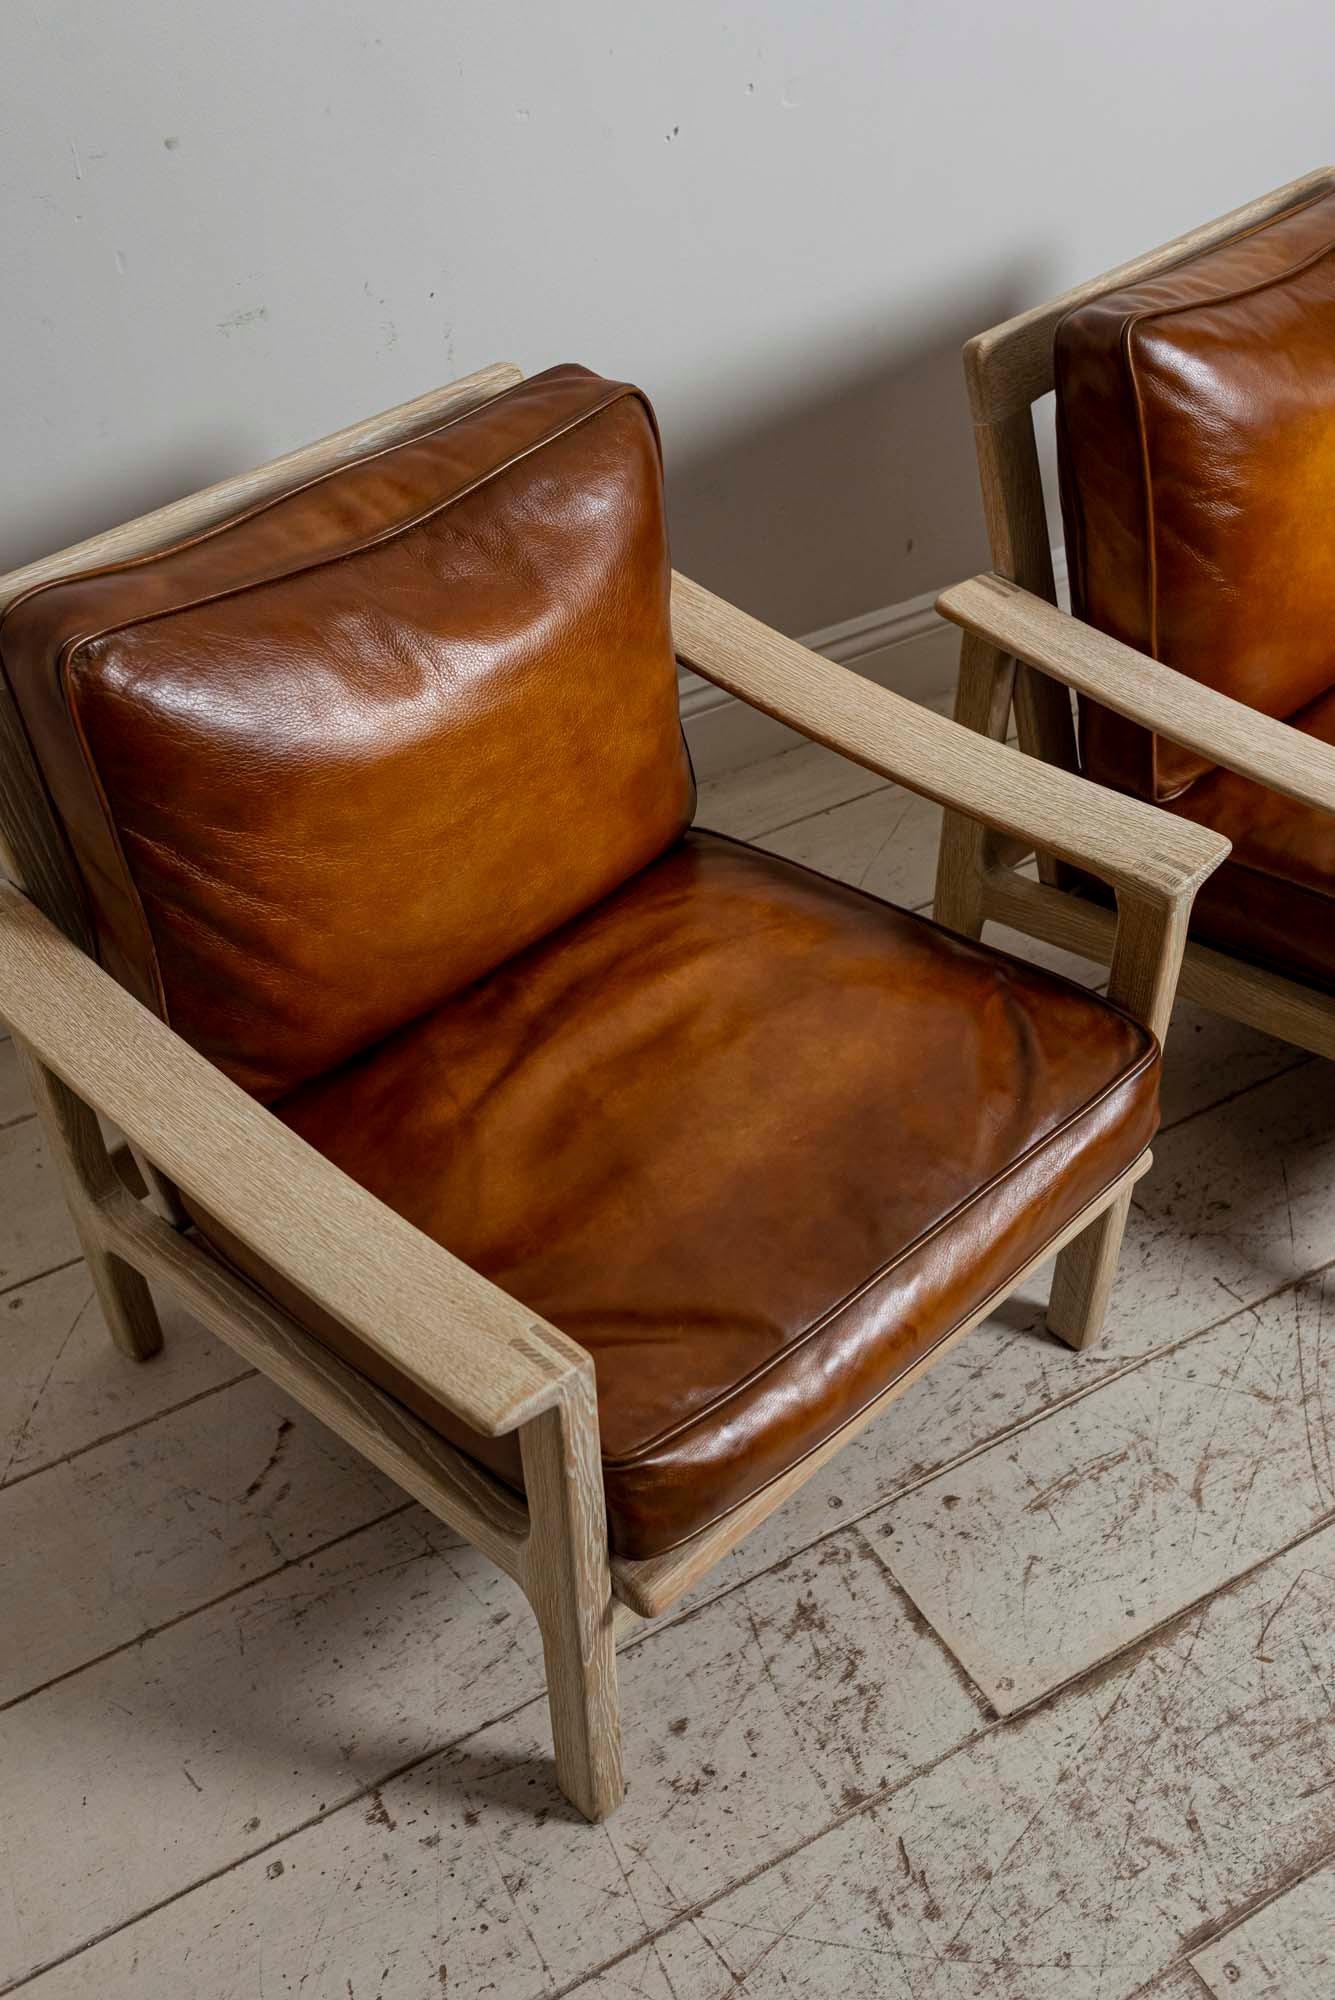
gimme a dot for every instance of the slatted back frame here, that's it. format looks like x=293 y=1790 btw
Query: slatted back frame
x=1010 y=368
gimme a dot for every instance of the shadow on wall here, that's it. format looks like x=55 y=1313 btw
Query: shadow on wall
x=859 y=489
x=107 y=502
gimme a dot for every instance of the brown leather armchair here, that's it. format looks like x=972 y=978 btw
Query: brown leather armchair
x=1195 y=398
x=596 y=1175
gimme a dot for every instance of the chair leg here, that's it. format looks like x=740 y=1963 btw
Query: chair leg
x=87 y=1174
x=1083 y=1277
x=569 y=1583
x=982 y=703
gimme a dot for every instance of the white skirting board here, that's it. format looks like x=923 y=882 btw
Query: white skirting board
x=905 y=647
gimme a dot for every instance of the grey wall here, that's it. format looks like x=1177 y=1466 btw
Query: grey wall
x=230 y=227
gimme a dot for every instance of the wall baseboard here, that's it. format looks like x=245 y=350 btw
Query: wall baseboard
x=904 y=646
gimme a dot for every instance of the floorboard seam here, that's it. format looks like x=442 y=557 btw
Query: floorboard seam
x=873 y=1799
x=126 y=1430
x=821 y=812
x=987 y=1444
x=197 y=1610
x=35 y=1277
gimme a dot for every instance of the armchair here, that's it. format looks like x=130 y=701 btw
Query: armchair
x=1195 y=401
x=596 y=1176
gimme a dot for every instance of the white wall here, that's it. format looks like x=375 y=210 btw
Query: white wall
x=231 y=225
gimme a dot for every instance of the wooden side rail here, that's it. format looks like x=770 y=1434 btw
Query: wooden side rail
x=488 y=1359
x=1144 y=690
x=1131 y=846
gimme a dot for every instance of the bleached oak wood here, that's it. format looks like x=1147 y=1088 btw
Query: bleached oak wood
x=1146 y=962
x=484 y=1356
x=569 y=1584
x=88 y=1177
x=1259 y=999
x=968 y=849
x=450 y=1485
x=1124 y=842
x=1008 y=368
x=654 y=1585
x=999 y=613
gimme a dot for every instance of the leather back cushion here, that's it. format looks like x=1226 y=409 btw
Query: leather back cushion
x=326 y=764
x=1196 y=439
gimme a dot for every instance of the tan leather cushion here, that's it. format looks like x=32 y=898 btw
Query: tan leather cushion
x=1196 y=432
x=1273 y=901
x=755 y=1139
x=325 y=764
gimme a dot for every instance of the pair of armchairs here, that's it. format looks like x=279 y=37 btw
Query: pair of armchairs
x=597 y=1176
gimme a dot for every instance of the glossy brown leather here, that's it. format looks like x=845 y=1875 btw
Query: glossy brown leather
x=326 y=764
x=1196 y=438
x=1273 y=901
x=756 y=1140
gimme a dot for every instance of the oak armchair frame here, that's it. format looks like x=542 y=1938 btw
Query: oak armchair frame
x=89 y=1048
x=1019 y=649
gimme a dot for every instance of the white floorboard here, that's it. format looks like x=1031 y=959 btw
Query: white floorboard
x=1285 y=1951
x=1052 y=1550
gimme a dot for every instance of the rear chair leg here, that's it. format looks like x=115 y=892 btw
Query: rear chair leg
x=89 y=1177
x=569 y=1584
x=1083 y=1276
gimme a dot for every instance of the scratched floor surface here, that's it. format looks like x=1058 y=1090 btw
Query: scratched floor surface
x=1029 y=1694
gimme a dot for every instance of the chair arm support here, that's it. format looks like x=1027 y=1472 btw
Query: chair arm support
x=1133 y=847
x=1239 y=738
x=488 y=1359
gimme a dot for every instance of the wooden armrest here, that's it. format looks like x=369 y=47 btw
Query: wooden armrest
x=478 y=1351
x=1144 y=690
x=1132 y=846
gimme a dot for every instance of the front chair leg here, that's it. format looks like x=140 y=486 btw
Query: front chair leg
x=1146 y=961
x=88 y=1177
x=568 y=1580
x=1082 y=1278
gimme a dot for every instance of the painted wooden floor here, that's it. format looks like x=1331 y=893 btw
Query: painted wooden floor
x=1030 y=1694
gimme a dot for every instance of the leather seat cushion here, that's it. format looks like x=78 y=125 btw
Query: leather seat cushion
x=1196 y=440
x=756 y=1140
x=1273 y=901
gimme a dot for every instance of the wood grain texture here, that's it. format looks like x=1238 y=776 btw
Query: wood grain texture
x=1144 y=690
x=89 y=1178
x=967 y=849
x=1246 y=993
x=1015 y=512
x=445 y=1482
x=1125 y=843
x=487 y=1358
x=569 y=1585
